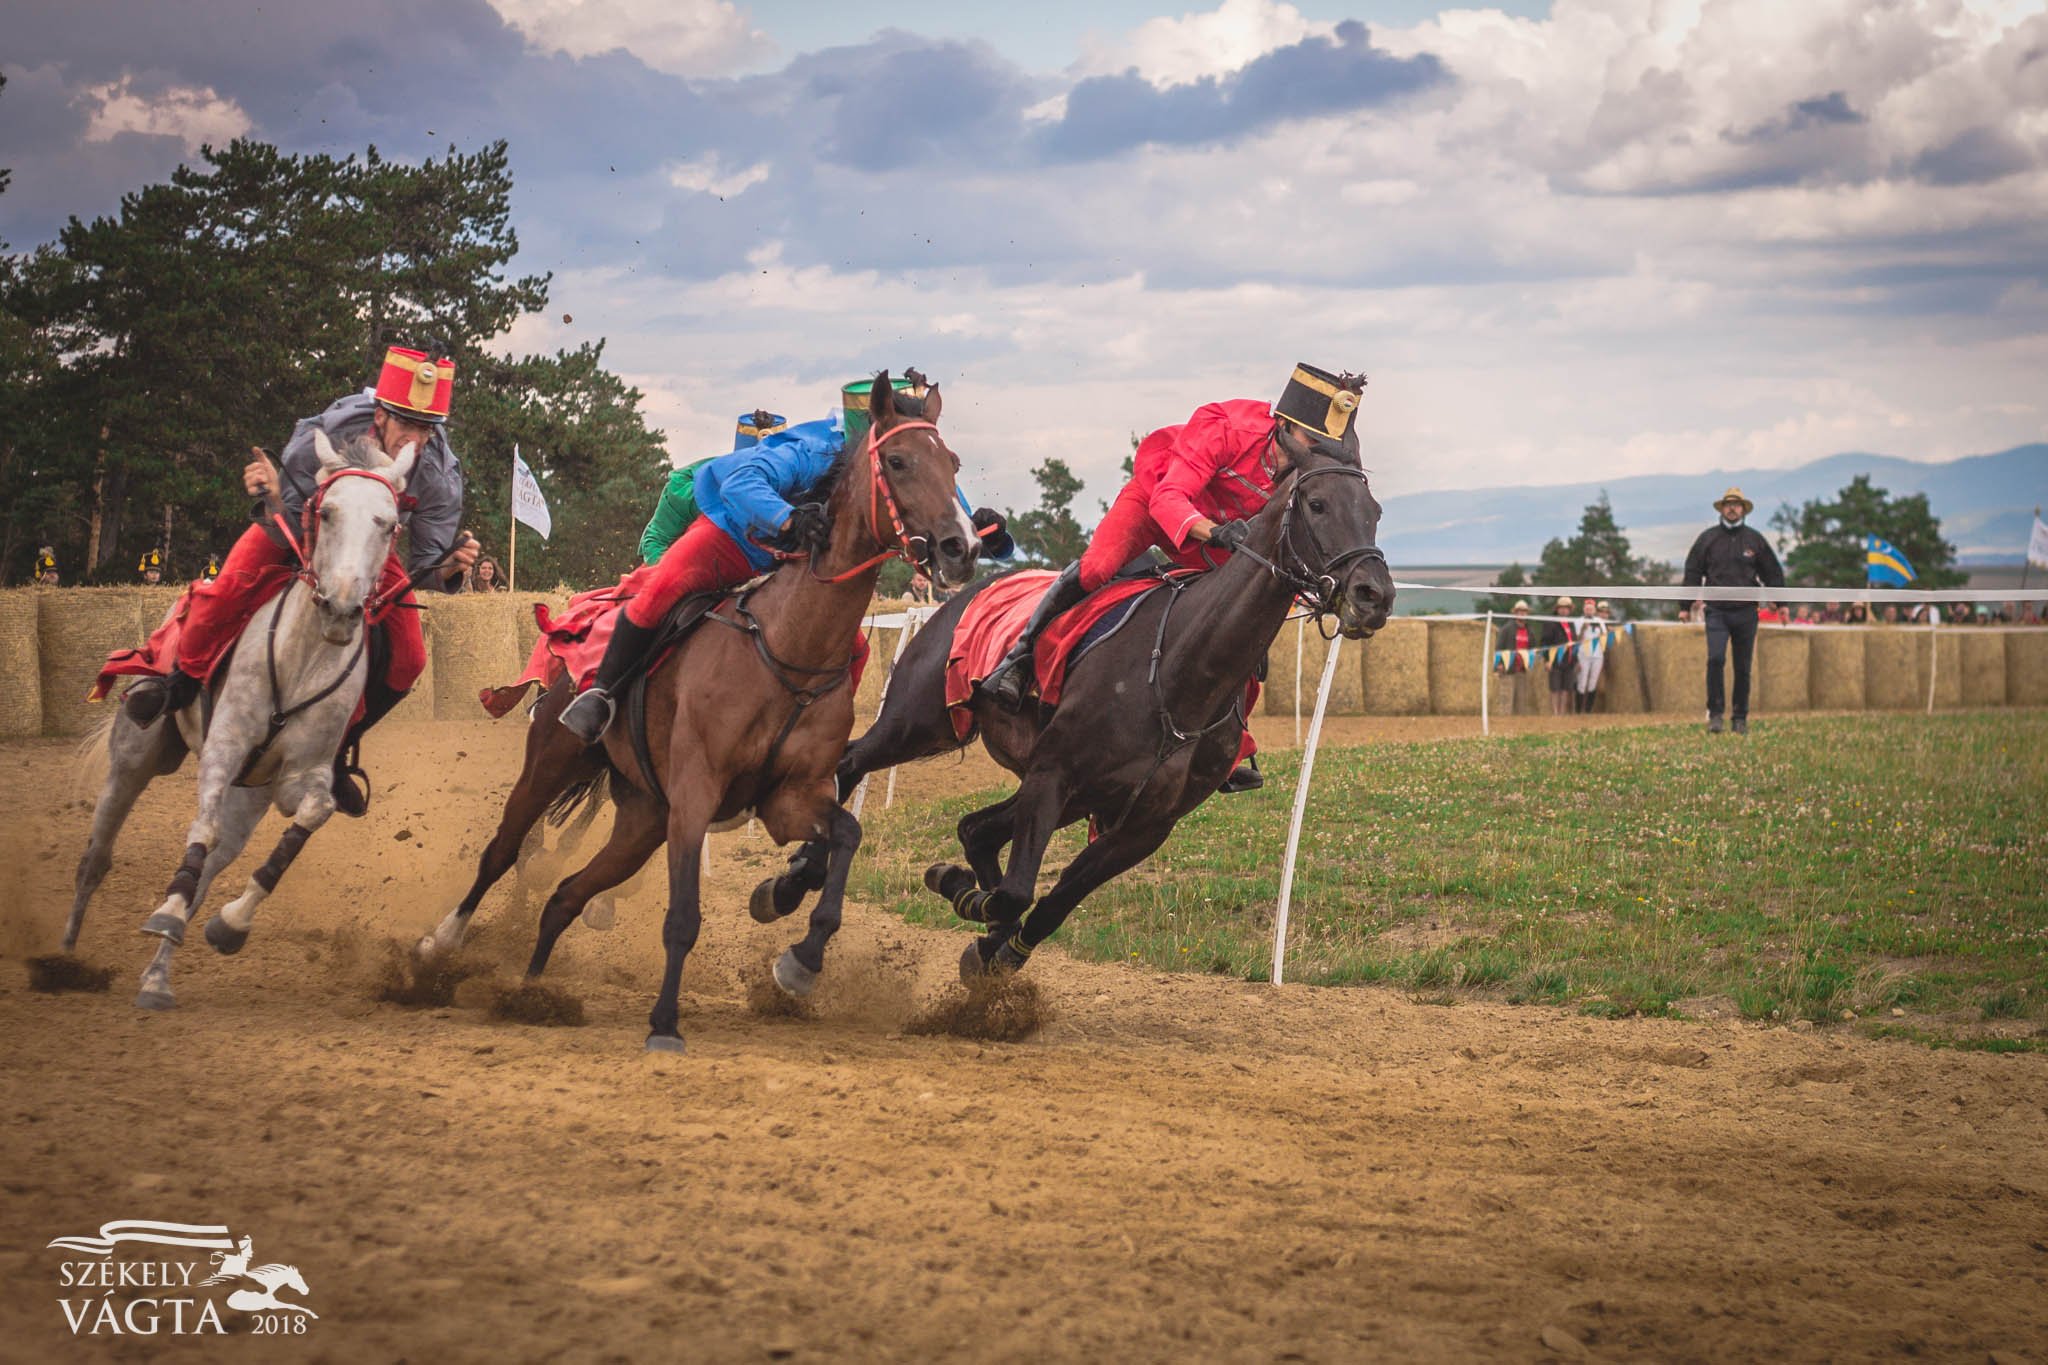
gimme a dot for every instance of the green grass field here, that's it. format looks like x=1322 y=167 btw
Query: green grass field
x=1891 y=866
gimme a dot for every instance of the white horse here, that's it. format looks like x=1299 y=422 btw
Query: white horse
x=276 y=723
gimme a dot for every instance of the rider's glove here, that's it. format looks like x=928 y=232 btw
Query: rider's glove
x=804 y=530
x=996 y=540
x=1229 y=535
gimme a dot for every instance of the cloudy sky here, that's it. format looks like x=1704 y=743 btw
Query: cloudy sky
x=1567 y=240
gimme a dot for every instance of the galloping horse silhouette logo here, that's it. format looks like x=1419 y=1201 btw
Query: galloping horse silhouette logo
x=234 y=1265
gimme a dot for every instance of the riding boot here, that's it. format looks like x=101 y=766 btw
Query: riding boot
x=590 y=715
x=351 y=783
x=153 y=697
x=1010 y=679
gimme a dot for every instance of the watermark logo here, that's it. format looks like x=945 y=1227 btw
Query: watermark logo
x=139 y=1277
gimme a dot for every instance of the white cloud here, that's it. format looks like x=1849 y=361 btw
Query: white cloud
x=682 y=37
x=195 y=115
x=1176 y=51
x=708 y=175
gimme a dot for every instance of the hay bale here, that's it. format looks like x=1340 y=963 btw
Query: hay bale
x=1779 y=682
x=1981 y=667
x=419 y=703
x=882 y=645
x=1396 y=669
x=1834 y=669
x=1946 y=647
x=1621 y=678
x=2026 y=668
x=1675 y=660
x=76 y=629
x=1454 y=666
x=1894 y=678
x=1347 y=689
x=21 y=700
x=473 y=644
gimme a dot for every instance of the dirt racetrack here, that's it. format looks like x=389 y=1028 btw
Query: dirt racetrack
x=1172 y=1167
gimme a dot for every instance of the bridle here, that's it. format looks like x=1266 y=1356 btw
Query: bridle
x=1315 y=589
x=881 y=495
x=374 y=607
x=377 y=604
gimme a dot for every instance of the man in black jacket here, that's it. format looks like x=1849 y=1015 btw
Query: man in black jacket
x=1731 y=554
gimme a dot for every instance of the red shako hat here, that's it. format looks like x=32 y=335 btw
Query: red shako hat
x=414 y=387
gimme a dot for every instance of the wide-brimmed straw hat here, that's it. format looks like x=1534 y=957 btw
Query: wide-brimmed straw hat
x=1734 y=495
x=1520 y=605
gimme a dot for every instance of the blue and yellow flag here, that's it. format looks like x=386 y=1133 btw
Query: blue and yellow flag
x=1884 y=564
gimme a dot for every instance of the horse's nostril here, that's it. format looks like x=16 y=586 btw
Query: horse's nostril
x=953 y=547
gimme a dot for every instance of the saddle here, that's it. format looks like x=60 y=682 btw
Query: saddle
x=997 y=615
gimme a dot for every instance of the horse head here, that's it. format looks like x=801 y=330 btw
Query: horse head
x=913 y=484
x=352 y=520
x=1331 y=533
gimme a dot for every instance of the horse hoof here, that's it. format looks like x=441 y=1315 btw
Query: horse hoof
x=164 y=924
x=934 y=876
x=664 y=1042
x=155 y=1000
x=224 y=938
x=794 y=977
x=600 y=913
x=761 y=905
x=972 y=968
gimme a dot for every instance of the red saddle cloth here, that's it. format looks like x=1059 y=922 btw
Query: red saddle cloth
x=574 y=644
x=159 y=653
x=998 y=615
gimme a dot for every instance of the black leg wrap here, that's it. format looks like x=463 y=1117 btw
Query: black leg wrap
x=288 y=846
x=971 y=903
x=186 y=882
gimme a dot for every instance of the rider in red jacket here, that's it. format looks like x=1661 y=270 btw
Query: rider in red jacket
x=1192 y=489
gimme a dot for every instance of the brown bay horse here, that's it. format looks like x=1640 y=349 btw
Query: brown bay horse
x=1147 y=727
x=751 y=712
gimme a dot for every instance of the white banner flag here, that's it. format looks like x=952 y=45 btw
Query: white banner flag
x=527 y=503
x=2037 y=544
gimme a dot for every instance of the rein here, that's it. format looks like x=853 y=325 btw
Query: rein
x=1316 y=591
x=280 y=714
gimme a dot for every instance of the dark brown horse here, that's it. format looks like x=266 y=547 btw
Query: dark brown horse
x=751 y=712
x=1148 y=724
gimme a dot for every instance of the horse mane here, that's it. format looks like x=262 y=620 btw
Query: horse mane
x=362 y=452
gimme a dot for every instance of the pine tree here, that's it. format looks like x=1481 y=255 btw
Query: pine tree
x=1823 y=540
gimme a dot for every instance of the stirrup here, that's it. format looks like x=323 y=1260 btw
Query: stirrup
x=590 y=715
x=1245 y=777
x=351 y=796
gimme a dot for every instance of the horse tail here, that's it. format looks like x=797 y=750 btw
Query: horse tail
x=586 y=791
x=94 y=756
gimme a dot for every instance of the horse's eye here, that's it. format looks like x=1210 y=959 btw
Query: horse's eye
x=896 y=463
x=1315 y=504
x=327 y=514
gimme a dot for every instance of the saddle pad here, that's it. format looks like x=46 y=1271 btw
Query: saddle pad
x=574 y=644
x=998 y=614
x=159 y=653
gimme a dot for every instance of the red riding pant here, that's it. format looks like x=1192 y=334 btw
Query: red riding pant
x=258 y=569
x=702 y=559
x=1127 y=531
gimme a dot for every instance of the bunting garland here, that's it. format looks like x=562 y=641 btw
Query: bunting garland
x=1555 y=654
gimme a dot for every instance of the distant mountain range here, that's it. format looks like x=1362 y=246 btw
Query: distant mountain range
x=1985 y=503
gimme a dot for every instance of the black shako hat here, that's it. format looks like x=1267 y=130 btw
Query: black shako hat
x=1320 y=403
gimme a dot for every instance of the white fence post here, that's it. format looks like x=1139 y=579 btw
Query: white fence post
x=1485 y=674
x=1308 y=768
x=1300 y=625
x=911 y=621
